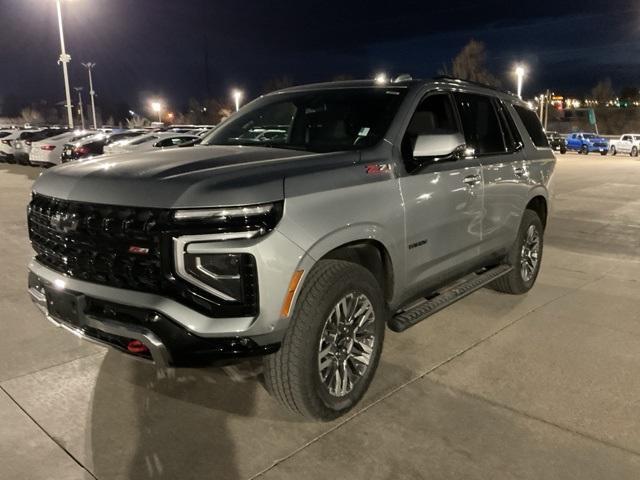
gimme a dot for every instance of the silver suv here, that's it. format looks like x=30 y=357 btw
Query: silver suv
x=375 y=206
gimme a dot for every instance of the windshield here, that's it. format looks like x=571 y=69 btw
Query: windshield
x=317 y=121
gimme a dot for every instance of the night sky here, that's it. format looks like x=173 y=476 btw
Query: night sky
x=158 y=47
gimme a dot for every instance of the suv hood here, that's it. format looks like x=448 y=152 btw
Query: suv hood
x=201 y=176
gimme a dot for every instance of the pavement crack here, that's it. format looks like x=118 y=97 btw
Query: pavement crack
x=525 y=414
x=52 y=438
x=421 y=376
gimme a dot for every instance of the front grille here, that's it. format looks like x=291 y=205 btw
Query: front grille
x=599 y=144
x=122 y=247
x=92 y=242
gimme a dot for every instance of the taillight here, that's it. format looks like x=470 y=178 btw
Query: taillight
x=81 y=150
x=48 y=147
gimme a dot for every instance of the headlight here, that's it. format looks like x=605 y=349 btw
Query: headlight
x=220 y=274
x=253 y=220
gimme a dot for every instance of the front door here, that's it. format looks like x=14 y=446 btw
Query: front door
x=443 y=201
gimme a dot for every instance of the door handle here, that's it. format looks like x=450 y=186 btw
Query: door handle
x=471 y=180
x=519 y=171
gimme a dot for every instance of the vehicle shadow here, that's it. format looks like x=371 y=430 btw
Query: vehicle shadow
x=26 y=171
x=197 y=423
x=173 y=424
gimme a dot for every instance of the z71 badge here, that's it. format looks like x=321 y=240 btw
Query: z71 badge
x=377 y=168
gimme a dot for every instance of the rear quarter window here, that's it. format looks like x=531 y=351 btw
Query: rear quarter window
x=532 y=124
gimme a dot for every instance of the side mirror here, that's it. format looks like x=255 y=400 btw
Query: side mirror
x=440 y=147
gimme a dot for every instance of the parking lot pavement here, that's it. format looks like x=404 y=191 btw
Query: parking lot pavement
x=497 y=386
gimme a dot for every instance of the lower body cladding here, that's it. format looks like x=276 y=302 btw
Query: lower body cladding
x=162 y=330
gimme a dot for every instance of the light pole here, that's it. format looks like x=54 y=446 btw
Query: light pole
x=64 y=59
x=89 y=66
x=80 y=109
x=237 y=95
x=157 y=107
x=520 y=71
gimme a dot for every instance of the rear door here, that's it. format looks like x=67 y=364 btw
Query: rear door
x=489 y=131
x=443 y=201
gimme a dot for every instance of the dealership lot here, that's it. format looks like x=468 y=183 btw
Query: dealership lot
x=538 y=386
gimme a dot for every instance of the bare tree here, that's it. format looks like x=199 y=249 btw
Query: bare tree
x=277 y=83
x=469 y=64
x=603 y=91
x=137 y=121
x=30 y=115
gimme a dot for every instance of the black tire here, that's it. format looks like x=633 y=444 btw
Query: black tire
x=292 y=375
x=563 y=151
x=514 y=282
x=613 y=150
x=634 y=152
x=584 y=150
x=603 y=152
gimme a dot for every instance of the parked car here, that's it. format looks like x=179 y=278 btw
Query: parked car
x=382 y=205
x=587 y=142
x=22 y=144
x=87 y=147
x=152 y=141
x=628 y=143
x=557 y=142
x=47 y=152
x=6 y=147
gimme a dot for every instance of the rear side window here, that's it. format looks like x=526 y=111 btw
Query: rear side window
x=480 y=123
x=512 y=137
x=533 y=126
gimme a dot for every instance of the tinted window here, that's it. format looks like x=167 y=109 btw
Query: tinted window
x=533 y=126
x=146 y=138
x=512 y=137
x=433 y=116
x=480 y=124
x=319 y=121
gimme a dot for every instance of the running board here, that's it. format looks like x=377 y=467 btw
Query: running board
x=457 y=291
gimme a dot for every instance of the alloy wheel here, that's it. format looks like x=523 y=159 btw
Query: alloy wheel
x=346 y=344
x=530 y=254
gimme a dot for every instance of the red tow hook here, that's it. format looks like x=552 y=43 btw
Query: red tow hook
x=137 y=347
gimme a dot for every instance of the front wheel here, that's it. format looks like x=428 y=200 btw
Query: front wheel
x=613 y=150
x=525 y=257
x=333 y=344
x=634 y=152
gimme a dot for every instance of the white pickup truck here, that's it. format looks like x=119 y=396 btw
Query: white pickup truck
x=628 y=143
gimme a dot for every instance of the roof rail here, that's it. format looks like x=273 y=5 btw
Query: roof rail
x=471 y=82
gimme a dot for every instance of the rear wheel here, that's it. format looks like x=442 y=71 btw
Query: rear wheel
x=584 y=150
x=333 y=344
x=603 y=152
x=525 y=257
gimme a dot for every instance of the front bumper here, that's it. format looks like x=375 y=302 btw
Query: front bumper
x=277 y=258
x=143 y=333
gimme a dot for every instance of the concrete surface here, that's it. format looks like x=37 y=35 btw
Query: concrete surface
x=536 y=386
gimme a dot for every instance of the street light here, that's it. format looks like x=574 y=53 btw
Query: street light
x=157 y=107
x=237 y=95
x=380 y=78
x=520 y=71
x=89 y=66
x=79 y=90
x=64 y=59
